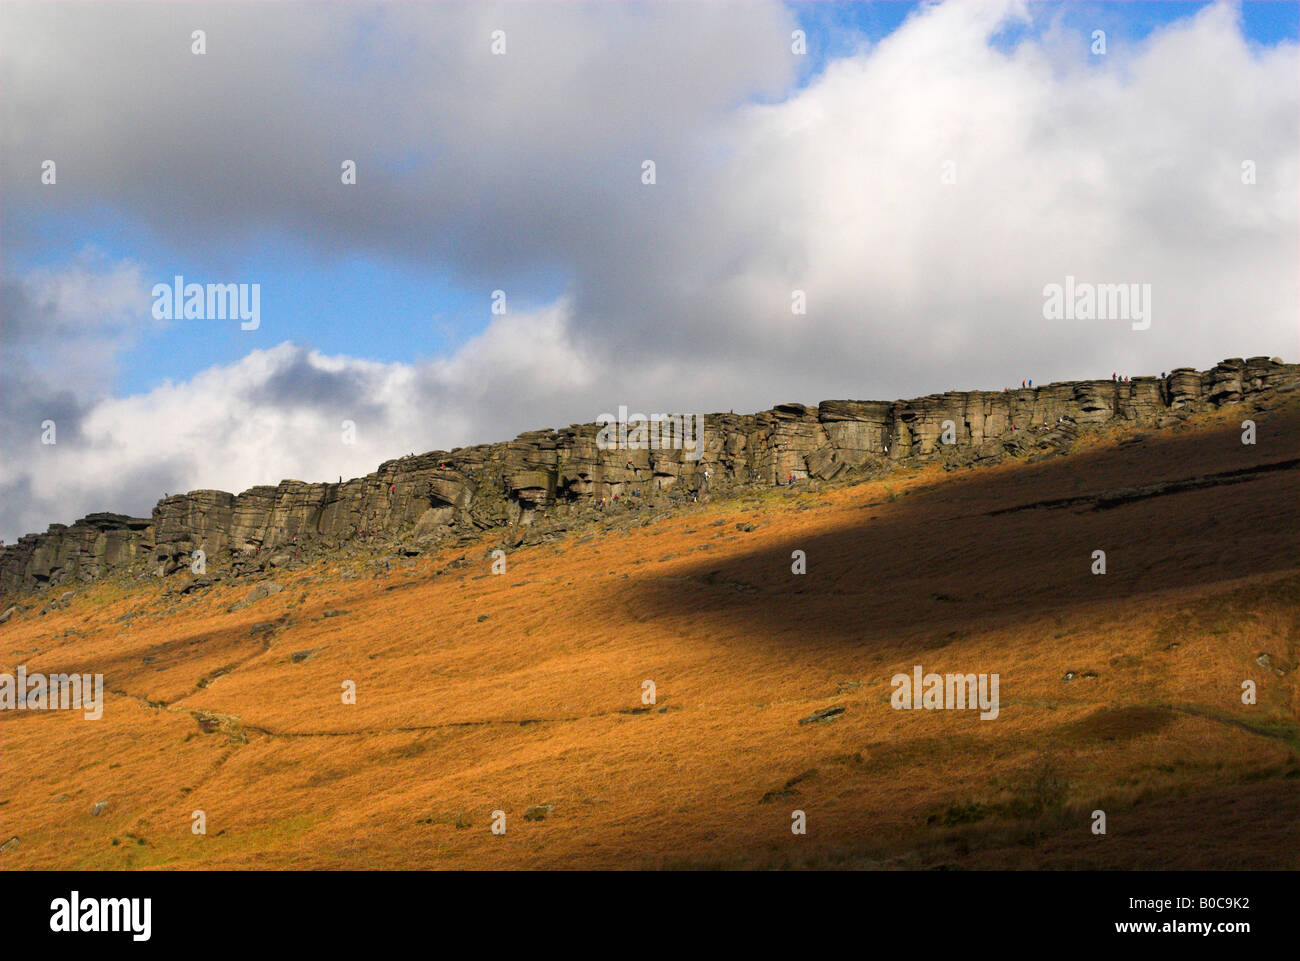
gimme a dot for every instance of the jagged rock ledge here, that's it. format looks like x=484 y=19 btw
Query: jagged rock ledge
x=430 y=499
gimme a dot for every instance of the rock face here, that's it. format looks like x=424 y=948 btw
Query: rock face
x=426 y=499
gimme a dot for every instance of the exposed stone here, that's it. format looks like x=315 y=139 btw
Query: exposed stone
x=822 y=716
x=264 y=589
x=417 y=502
x=538 y=812
x=788 y=789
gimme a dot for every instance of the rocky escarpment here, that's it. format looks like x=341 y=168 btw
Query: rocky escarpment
x=543 y=477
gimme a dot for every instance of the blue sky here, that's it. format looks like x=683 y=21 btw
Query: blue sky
x=407 y=314
x=834 y=27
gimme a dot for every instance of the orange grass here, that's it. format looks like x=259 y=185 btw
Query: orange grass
x=539 y=703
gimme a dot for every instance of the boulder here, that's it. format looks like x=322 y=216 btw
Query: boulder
x=539 y=812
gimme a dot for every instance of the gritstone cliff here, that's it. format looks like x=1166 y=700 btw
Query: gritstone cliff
x=420 y=501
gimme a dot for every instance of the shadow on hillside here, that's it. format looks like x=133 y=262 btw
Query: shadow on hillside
x=969 y=551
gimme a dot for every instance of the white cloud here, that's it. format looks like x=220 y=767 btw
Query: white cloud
x=1118 y=169
x=280 y=413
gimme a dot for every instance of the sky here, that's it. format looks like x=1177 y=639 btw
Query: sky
x=919 y=171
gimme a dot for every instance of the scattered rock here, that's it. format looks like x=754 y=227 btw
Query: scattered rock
x=820 y=717
x=98 y=809
x=264 y=589
x=260 y=591
x=9 y=612
x=299 y=656
x=483 y=617
x=214 y=722
x=788 y=789
x=1069 y=676
x=9 y=845
x=538 y=812
x=1265 y=661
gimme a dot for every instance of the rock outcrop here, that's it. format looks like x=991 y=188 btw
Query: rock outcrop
x=428 y=499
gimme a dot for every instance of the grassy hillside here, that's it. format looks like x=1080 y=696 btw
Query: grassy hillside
x=478 y=692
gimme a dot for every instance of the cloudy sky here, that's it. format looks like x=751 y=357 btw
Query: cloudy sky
x=921 y=172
